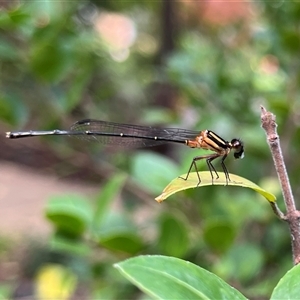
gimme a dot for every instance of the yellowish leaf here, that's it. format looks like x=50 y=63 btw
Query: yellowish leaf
x=179 y=184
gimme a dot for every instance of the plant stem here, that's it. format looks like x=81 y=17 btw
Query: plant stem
x=293 y=215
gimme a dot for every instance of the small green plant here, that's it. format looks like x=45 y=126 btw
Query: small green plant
x=164 y=277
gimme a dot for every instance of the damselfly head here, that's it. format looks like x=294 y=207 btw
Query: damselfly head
x=238 y=147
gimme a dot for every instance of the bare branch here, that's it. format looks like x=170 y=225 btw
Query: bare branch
x=292 y=216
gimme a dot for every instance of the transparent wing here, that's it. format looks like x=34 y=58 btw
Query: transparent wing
x=131 y=135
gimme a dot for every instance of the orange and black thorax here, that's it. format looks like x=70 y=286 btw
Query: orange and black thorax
x=209 y=140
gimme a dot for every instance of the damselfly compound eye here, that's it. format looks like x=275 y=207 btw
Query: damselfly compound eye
x=238 y=147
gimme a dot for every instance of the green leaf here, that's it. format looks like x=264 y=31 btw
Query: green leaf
x=12 y=109
x=69 y=214
x=72 y=246
x=288 y=286
x=19 y=16
x=5 y=291
x=122 y=241
x=164 y=277
x=118 y=233
x=219 y=234
x=173 y=239
x=179 y=184
x=153 y=171
x=51 y=62
x=236 y=263
x=106 y=196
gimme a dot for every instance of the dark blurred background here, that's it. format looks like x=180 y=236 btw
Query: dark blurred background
x=187 y=64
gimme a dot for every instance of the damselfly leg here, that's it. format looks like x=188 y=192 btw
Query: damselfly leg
x=209 y=158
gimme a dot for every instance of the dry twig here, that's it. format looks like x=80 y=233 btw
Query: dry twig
x=293 y=215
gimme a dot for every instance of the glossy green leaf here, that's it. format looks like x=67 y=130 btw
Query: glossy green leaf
x=69 y=213
x=173 y=239
x=164 y=277
x=179 y=184
x=288 y=287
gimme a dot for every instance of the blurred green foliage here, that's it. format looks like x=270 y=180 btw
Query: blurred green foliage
x=63 y=61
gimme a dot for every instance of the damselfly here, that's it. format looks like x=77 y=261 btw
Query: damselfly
x=127 y=135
